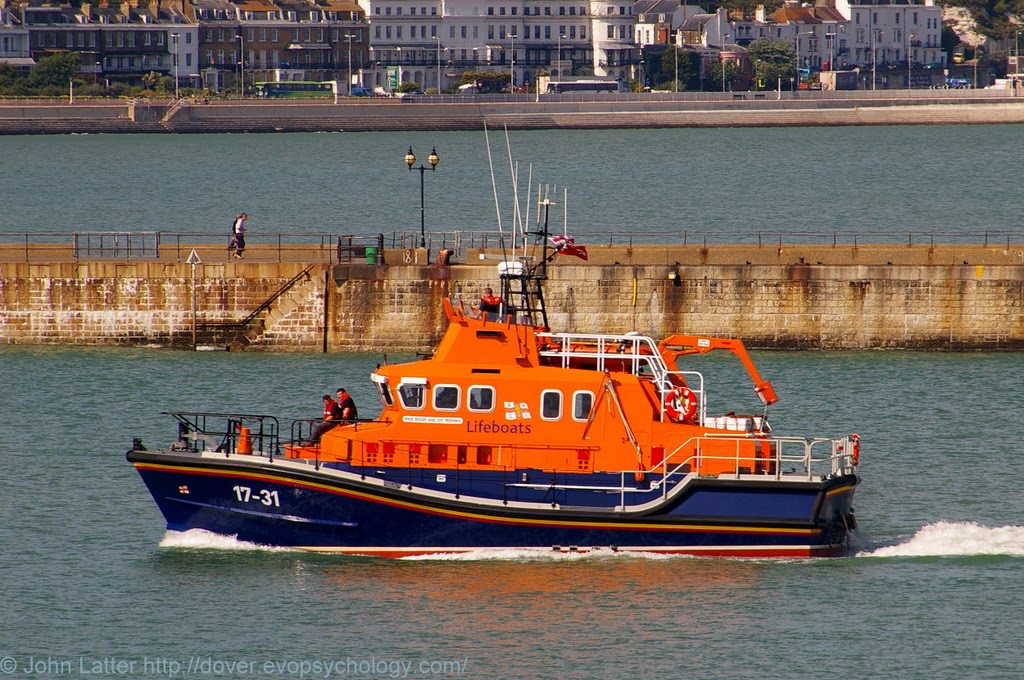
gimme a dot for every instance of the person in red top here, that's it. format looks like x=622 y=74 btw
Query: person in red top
x=489 y=304
x=332 y=415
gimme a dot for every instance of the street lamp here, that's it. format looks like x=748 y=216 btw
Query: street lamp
x=241 y=65
x=174 y=41
x=410 y=160
x=910 y=45
x=437 y=38
x=559 y=59
x=348 y=37
x=725 y=36
x=512 y=37
x=874 y=58
x=798 y=55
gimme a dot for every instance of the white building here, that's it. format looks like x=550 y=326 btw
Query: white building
x=14 y=41
x=893 y=33
x=432 y=42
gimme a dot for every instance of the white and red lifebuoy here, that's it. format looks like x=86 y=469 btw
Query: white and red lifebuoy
x=680 y=404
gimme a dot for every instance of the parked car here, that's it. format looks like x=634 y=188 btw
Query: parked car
x=361 y=92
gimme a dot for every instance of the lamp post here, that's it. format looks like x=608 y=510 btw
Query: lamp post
x=874 y=59
x=512 y=75
x=798 y=55
x=675 y=52
x=725 y=36
x=437 y=39
x=348 y=37
x=174 y=41
x=241 y=65
x=410 y=160
x=831 y=38
x=910 y=45
x=559 y=58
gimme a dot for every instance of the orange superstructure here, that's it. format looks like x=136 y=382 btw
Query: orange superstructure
x=503 y=394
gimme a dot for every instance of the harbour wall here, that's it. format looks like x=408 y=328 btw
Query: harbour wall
x=444 y=113
x=840 y=297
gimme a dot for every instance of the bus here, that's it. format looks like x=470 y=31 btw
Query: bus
x=564 y=86
x=294 y=89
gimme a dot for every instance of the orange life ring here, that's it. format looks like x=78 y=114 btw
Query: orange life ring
x=856 y=449
x=680 y=404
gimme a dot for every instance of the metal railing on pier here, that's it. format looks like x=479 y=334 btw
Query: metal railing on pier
x=332 y=248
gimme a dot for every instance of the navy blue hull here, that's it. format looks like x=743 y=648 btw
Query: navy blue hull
x=268 y=503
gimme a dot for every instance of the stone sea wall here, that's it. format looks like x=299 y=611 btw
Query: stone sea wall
x=927 y=301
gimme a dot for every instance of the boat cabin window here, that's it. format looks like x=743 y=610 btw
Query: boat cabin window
x=411 y=395
x=481 y=398
x=385 y=393
x=446 y=397
x=582 y=402
x=551 y=405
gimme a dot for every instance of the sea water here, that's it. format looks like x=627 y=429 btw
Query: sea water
x=875 y=184
x=93 y=583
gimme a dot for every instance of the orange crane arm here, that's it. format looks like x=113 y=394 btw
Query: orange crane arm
x=675 y=346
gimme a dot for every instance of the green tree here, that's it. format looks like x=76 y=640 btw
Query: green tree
x=727 y=70
x=409 y=86
x=773 y=59
x=676 y=66
x=487 y=81
x=56 y=70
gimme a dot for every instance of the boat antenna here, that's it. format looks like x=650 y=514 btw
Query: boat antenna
x=494 y=189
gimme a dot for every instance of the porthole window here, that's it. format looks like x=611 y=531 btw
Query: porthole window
x=481 y=398
x=582 y=402
x=551 y=405
x=446 y=397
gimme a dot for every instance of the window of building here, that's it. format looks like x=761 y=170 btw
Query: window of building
x=561 y=11
x=551 y=405
x=583 y=32
x=490 y=11
x=547 y=33
x=398 y=11
x=398 y=32
x=611 y=31
x=572 y=32
x=481 y=398
x=446 y=397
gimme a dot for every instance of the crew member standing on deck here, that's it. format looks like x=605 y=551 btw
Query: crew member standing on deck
x=237 y=243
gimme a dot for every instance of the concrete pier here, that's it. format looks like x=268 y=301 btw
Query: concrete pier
x=519 y=112
x=954 y=297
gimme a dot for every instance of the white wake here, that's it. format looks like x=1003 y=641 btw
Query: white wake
x=201 y=539
x=957 y=539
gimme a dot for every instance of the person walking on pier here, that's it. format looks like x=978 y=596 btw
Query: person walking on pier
x=237 y=243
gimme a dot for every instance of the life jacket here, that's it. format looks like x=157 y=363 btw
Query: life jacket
x=329 y=408
x=490 y=303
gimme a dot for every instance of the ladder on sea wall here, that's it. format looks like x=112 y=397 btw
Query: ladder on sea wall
x=240 y=334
